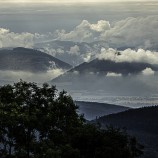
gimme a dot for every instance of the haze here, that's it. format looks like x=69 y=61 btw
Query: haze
x=68 y=1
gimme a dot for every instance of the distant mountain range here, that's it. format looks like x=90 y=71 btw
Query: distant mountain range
x=76 y=53
x=71 y=52
x=103 y=67
x=23 y=59
x=140 y=122
x=92 y=110
x=109 y=76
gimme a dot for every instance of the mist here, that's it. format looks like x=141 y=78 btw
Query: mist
x=14 y=76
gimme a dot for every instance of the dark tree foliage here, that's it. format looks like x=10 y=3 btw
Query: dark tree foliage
x=138 y=119
x=39 y=122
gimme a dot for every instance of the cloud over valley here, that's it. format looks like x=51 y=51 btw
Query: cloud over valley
x=132 y=39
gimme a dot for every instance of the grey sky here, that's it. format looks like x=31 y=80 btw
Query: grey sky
x=49 y=17
x=66 y=1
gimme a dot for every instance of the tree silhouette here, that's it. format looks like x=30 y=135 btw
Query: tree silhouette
x=40 y=122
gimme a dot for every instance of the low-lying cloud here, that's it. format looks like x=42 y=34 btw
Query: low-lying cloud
x=75 y=50
x=148 y=72
x=112 y=74
x=129 y=55
x=14 y=76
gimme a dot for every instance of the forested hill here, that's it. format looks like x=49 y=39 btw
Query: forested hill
x=91 y=110
x=140 y=122
x=142 y=119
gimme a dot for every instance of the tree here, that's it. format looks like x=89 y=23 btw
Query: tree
x=30 y=114
x=40 y=122
x=111 y=142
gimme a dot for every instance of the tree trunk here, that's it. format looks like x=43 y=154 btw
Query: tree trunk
x=10 y=150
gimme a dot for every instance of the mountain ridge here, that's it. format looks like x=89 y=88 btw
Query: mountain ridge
x=92 y=110
x=24 y=59
x=141 y=122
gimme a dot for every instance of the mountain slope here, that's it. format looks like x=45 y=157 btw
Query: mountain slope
x=141 y=119
x=91 y=110
x=140 y=122
x=23 y=59
x=113 y=77
x=102 y=67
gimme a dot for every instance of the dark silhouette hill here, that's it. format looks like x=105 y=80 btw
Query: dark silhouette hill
x=89 y=71
x=140 y=122
x=23 y=59
x=102 y=67
x=91 y=110
x=114 y=78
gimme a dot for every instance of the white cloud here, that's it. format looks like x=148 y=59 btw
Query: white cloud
x=23 y=39
x=91 y=73
x=11 y=39
x=87 y=57
x=112 y=74
x=101 y=26
x=50 y=51
x=140 y=32
x=133 y=32
x=4 y=31
x=76 y=72
x=84 y=31
x=129 y=55
x=28 y=76
x=60 y=51
x=75 y=50
x=148 y=72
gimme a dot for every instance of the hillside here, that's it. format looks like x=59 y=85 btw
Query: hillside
x=112 y=77
x=140 y=122
x=103 y=67
x=23 y=59
x=91 y=110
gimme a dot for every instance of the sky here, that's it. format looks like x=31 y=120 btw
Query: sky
x=65 y=1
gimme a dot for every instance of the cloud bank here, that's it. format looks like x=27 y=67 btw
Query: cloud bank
x=14 y=76
x=84 y=32
x=129 y=55
x=11 y=39
x=139 y=32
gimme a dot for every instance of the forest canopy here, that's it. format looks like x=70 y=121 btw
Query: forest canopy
x=40 y=122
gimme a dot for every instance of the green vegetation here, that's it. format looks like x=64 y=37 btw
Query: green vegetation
x=39 y=122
